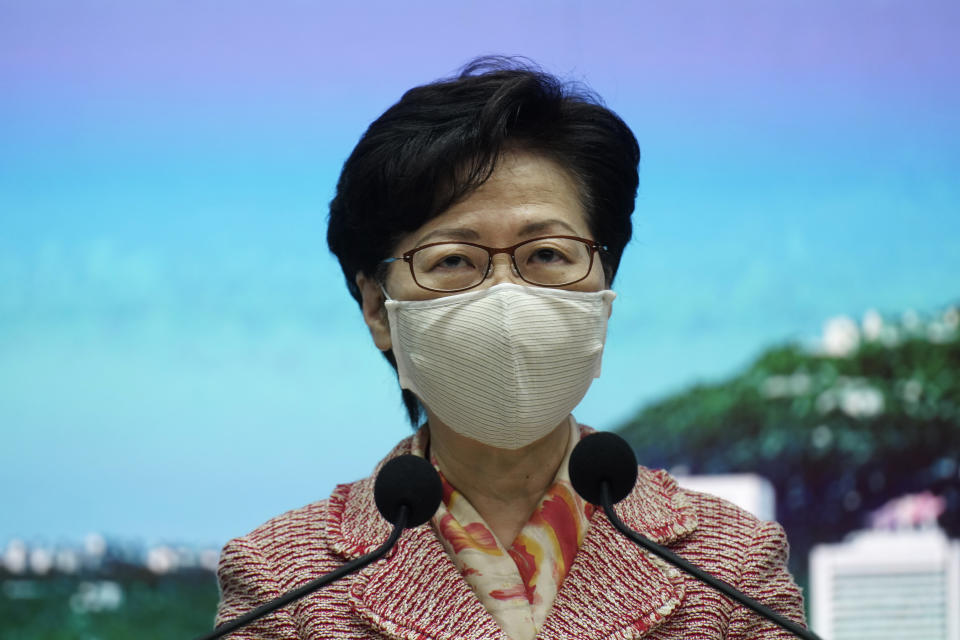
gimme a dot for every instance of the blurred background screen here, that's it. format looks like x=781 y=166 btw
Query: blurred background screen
x=180 y=360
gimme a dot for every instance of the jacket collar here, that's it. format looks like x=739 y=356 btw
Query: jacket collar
x=613 y=591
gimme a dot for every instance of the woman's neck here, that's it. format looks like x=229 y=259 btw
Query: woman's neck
x=503 y=485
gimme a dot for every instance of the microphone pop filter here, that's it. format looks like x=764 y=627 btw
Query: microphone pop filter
x=603 y=457
x=411 y=481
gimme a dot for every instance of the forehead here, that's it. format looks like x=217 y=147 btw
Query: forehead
x=526 y=195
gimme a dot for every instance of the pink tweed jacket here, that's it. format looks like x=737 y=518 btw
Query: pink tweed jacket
x=613 y=590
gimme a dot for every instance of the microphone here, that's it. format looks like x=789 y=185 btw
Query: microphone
x=411 y=483
x=603 y=470
x=407 y=492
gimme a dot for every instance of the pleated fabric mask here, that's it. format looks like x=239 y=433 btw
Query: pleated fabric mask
x=504 y=365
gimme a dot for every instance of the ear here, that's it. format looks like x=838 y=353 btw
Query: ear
x=374 y=312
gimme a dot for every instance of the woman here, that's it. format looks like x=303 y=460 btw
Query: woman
x=479 y=223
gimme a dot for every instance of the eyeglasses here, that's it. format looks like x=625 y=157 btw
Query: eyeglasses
x=550 y=261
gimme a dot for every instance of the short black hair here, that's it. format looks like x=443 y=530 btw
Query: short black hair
x=442 y=140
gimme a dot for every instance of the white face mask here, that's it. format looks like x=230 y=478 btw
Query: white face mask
x=505 y=365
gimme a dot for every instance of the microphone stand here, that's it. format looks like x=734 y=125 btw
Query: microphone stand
x=310 y=587
x=698 y=573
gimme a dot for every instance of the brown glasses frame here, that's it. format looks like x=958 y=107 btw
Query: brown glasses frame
x=407 y=257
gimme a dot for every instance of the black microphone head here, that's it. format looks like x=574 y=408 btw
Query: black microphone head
x=411 y=481
x=603 y=457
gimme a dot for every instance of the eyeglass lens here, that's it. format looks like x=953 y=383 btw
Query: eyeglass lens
x=451 y=266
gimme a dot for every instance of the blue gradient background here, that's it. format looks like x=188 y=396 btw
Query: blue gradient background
x=179 y=359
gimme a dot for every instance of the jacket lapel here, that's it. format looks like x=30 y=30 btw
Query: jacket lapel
x=615 y=590
x=416 y=592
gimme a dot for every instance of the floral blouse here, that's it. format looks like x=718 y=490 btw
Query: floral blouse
x=517 y=584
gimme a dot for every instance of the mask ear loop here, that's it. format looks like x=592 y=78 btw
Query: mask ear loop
x=380 y=275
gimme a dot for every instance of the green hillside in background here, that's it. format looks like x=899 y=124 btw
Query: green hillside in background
x=148 y=607
x=870 y=415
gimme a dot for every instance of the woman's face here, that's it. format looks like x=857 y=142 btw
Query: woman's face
x=527 y=196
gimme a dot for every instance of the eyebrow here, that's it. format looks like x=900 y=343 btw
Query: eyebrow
x=448 y=234
x=458 y=233
x=544 y=225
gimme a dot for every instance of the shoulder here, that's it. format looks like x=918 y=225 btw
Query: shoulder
x=734 y=545
x=283 y=553
x=305 y=524
x=709 y=512
x=346 y=524
x=296 y=547
x=748 y=553
x=718 y=514
x=273 y=555
x=708 y=528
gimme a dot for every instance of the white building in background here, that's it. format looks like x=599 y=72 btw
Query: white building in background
x=746 y=490
x=885 y=585
x=15 y=558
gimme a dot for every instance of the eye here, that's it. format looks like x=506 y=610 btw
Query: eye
x=548 y=255
x=451 y=262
